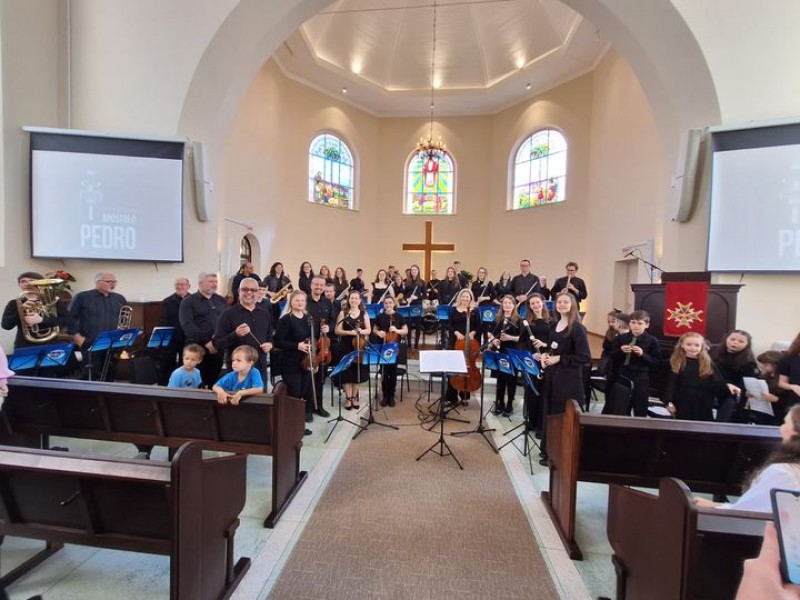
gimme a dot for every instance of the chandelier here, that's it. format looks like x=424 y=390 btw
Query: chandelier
x=430 y=151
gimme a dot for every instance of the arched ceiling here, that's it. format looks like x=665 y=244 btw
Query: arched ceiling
x=489 y=55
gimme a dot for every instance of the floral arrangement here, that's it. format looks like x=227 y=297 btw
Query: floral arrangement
x=66 y=278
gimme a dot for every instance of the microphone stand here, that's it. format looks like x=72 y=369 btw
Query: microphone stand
x=640 y=258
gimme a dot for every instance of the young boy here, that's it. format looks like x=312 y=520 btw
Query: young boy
x=188 y=376
x=243 y=380
x=635 y=353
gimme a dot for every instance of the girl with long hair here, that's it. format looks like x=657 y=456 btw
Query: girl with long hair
x=781 y=470
x=564 y=361
x=536 y=335
x=305 y=277
x=505 y=334
x=352 y=322
x=694 y=383
x=734 y=360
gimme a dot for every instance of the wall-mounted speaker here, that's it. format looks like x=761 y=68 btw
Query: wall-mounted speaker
x=203 y=187
x=684 y=183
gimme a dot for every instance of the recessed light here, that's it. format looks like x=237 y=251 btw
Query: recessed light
x=527 y=87
x=344 y=90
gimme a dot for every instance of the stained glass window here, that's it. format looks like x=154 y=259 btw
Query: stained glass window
x=540 y=170
x=430 y=186
x=330 y=172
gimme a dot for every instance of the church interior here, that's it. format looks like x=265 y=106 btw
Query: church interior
x=250 y=86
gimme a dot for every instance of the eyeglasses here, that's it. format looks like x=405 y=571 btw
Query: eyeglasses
x=251 y=290
x=108 y=280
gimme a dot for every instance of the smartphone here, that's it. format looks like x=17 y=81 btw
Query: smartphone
x=786 y=515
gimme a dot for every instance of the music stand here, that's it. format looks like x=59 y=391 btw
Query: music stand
x=373 y=310
x=161 y=337
x=373 y=356
x=526 y=365
x=480 y=428
x=344 y=364
x=442 y=361
x=36 y=357
x=112 y=339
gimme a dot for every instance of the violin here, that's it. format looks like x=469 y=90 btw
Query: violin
x=471 y=381
x=309 y=362
x=359 y=341
x=391 y=336
x=323 y=346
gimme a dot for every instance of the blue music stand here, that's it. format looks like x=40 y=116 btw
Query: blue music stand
x=524 y=362
x=523 y=310
x=550 y=304
x=373 y=310
x=371 y=356
x=410 y=312
x=112 y=339
x=488 y=313
x=443 y=312
x=161 y=337
x=497 y=361
x=36 y=357
x=389 y=353
x=346 y=362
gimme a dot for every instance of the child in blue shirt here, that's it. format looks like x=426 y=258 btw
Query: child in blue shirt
x=188 y=376
x=243 y=380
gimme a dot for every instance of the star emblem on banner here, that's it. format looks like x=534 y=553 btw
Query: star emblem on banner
x=684 y=315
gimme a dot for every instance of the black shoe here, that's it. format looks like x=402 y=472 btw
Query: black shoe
x=544 y=462
x=508 y=412
x=537 y=434
x=308 y=432
x=309 y=418
x=497 y=411
x=384 y=401
x=322 y=412
x=391 y=402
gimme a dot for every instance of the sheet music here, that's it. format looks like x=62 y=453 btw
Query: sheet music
x=442 y=361
x=757 y=388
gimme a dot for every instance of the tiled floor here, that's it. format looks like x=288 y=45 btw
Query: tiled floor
x=86 y=573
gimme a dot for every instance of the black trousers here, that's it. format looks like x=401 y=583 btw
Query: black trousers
x=210 y=369
x=389 y=381
x=298 y=385
x=505 y=383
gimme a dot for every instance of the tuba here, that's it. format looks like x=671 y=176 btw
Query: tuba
x=40 y=301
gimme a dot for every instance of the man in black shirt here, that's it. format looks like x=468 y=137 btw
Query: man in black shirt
x=246 y=270
x=571 y=283
x=525 y=284
x=198 y=314
x=245 y=324
x=93 y=311
x=169 y=317
x=320 y=309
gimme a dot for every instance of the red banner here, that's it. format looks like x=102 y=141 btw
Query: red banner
x=685 y=305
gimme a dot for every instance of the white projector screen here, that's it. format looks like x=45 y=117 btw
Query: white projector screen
x=755 y=200
x=105 y=198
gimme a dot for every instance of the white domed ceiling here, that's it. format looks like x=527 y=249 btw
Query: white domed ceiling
x=490 y=54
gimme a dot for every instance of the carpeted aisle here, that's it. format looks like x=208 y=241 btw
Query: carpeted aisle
x=389 y=526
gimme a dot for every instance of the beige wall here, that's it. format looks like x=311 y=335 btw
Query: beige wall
x=196 y=69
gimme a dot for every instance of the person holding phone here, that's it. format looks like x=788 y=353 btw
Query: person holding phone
x=781 y=470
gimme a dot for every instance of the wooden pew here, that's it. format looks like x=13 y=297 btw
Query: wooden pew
x=269 y=424
x=666 y=548
x=187 y=509
x=709 y=457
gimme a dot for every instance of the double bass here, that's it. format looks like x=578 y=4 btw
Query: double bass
x=471 y=381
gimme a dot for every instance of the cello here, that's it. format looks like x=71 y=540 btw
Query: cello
x=471 y=381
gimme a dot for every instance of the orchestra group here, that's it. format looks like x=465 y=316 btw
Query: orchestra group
x=293 y=331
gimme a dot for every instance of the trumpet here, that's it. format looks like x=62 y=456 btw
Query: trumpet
x=125 y=317
x=40 y=301
x=281 y=293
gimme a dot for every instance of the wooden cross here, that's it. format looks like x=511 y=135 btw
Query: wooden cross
x=428 y=247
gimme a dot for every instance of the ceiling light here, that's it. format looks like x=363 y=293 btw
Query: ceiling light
x=520 y=62
x=527 y=87
x=344 y=90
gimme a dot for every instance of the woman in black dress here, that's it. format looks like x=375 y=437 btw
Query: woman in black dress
x=564 y=361
x=389 y=324
x=536 y=334
x=502 y=287
x=413 y=293
x=305 y=277
x=504 y=335
x=340 y=282
x=276 y=281
x=457 y=330
x=351 y=323
x=292 y=338
x=381 y=287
